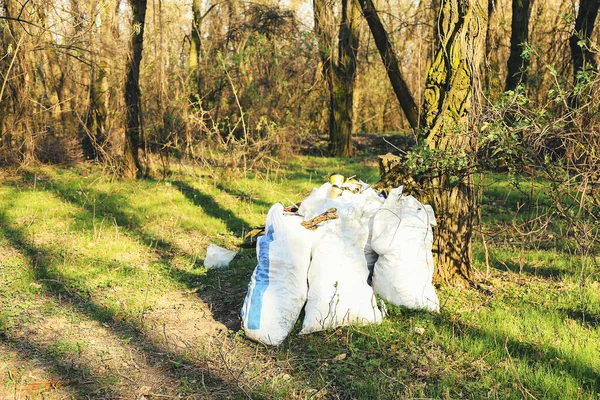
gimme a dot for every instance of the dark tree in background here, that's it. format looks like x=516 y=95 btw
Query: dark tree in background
x=580 y=43
x=339 y=70
x=132 y=166
x=491 y=63
x=196 y=51
x=517 y=64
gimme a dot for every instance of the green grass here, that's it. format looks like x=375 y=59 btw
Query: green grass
x=75 y=243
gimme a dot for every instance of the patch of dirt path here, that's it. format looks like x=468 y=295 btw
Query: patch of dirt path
x=178 y=350
x=67 y=355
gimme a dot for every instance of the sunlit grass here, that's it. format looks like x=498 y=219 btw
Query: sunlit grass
x=113 y=247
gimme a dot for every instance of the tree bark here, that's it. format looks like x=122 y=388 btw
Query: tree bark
x=390 y=61
x=491 y=63
x=517 y=65
x=445 y=115
x=581 y=54
x=447 y=103
x=340 y=75
x=95 y=140
x=132 y=166
x=195 y=50
x=344 y=77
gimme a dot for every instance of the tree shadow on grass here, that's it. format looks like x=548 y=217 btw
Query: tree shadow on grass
x=538 y=355
x=586 y=319
x=527 y=268
x=240 y=195
x=226 y=289
x=211 y=207
x=57 y=287
x=222 y=297
x=78 y=381
x=389 y=364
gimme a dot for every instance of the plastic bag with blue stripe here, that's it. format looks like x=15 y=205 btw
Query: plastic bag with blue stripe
x=278 y=287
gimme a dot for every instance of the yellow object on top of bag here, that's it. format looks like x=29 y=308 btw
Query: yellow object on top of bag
x=336 y=179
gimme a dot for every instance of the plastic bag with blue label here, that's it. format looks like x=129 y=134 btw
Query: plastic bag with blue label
x=278 y=287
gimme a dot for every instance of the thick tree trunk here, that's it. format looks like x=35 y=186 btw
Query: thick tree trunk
x=445 y=114
x=390 y=61
x=132 y=167
x=339 y=75
x=581 y=53
x=517 y=65
x=344 y=76
x=447 y=102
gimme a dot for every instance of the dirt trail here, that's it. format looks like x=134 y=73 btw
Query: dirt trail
x=180 y=351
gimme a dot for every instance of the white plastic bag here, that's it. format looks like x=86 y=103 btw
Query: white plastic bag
x=218 y=257
x=361 y=206
x=371 y=206
x=338 y=290
x=278 y=287
x=403 y=238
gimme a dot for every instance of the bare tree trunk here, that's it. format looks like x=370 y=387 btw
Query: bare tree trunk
x=132 y=166
x=344 y=76
x=517 y=65
x=97 y=117
x=339 y=75
x=323 y=27
x=581 y=52
x=195 y=51
x=18 y=139
x=51 y=73
x=323 y=18
x=390 y=62
x=491 y=62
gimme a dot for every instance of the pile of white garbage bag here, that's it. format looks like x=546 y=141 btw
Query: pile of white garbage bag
x=327 y=271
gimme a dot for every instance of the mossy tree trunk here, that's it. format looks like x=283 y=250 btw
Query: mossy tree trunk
x=132 y=166
x=340 y=74
x=445 y=115
x=517 y=64
x=443 y=176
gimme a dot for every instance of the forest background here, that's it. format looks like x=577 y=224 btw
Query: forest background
x=221 y=74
